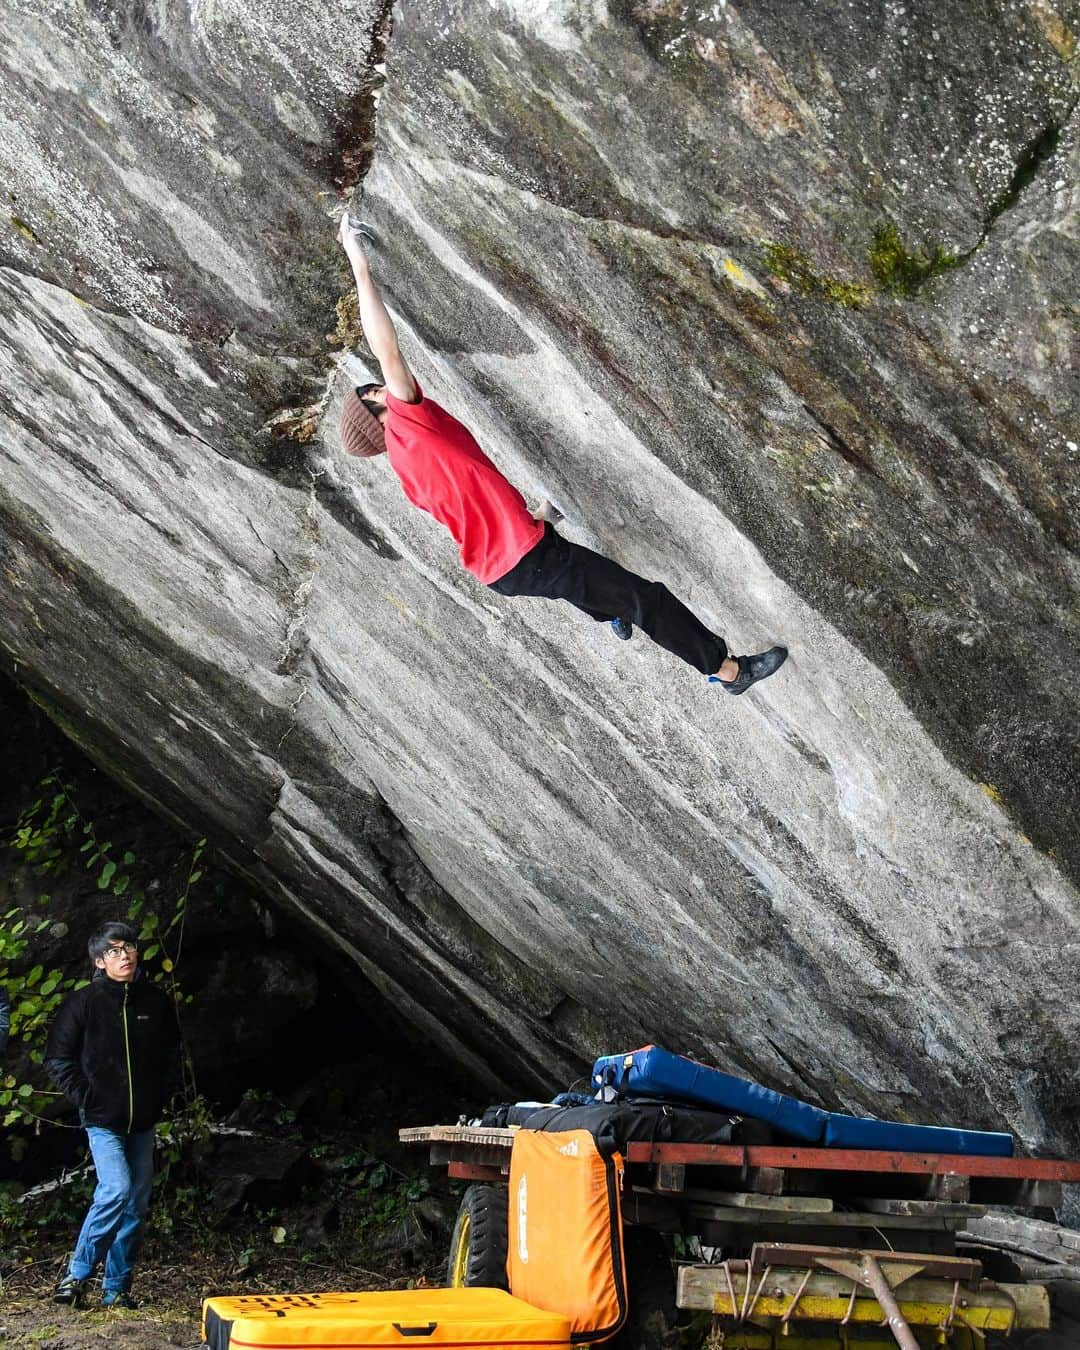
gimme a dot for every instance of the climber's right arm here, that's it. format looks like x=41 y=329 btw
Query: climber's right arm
x=376 y=323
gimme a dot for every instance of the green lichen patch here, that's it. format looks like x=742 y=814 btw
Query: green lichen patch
x=27 y=231
x=795 y=268
x=901 y=272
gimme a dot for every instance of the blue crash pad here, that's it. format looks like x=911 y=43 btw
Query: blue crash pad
x=652 y=1072
x=856 y=1132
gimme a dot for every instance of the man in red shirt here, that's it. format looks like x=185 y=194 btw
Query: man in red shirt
x=444 y=472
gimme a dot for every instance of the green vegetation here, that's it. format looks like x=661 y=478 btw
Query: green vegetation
x=898 y=270
x=52 y=837
x=901 y=272
x=796 y=269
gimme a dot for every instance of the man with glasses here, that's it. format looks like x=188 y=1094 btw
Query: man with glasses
x=114 y=1050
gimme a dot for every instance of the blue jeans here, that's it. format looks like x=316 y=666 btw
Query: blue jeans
x=112 y=1229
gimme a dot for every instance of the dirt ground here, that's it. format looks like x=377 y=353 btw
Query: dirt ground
x=170 y=1285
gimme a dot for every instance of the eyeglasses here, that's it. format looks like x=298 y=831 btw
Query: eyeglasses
x=128 y=949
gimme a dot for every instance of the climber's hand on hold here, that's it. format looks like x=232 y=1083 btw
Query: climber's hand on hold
x=353 y=244
x=353 y=237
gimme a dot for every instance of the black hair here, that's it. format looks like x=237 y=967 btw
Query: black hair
x=109 y=933
x=375 y=409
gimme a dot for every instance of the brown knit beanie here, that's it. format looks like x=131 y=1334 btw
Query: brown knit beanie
x=361 y=434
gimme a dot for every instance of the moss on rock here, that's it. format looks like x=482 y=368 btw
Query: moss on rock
x=795 y=268
x=901 y=272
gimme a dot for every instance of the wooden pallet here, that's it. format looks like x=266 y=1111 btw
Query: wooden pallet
x=874 y=1182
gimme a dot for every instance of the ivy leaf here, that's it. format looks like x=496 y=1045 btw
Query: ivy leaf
x=25 y=1090
x=129 y=858
x=166 y=965
x=48 y=987
x=107 y=874
x=122 y=885
x=151 y=951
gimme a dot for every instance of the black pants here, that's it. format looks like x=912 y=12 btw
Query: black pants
x=556 y=569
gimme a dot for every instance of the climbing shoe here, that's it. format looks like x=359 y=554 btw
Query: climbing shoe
x=118 y=1300
x=623 y=629
x=752 y=669
x=70 y=1291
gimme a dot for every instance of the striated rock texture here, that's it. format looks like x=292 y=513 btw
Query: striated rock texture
x=777 y=311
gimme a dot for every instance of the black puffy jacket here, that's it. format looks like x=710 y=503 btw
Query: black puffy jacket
x=114 y=1049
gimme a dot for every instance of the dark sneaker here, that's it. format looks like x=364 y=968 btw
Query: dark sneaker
x=70 y=1291
x=120 y=1300
x=623 y=629
x=752 y=669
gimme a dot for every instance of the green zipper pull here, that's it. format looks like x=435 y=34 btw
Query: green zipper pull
x=127 y=1056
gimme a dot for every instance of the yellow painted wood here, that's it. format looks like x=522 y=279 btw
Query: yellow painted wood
x=867 y=1311
x=754 y=1338
x=924 y=1302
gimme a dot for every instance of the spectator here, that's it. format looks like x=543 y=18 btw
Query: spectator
x=114 y=1050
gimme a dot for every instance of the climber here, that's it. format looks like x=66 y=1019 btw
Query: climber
x=514 y=552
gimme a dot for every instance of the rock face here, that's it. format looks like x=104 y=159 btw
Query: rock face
x=777 y=312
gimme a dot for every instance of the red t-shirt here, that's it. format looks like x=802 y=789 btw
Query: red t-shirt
x=445 y=473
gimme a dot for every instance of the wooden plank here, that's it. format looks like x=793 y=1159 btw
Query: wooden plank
x=735 y=1214
x=875 y=1204
x=1033 y=1236
x=765 y=1161
x=1017 y=1191
x=480 y=1155
x=852 y=1160
x=767 y=1254
x=670 y=1177
x=794 y=1204
x=492 y=1136
x=734 y=1236
x=462 y=1171
x=705 y=1288
x=948 y=1186
x=768 y=1180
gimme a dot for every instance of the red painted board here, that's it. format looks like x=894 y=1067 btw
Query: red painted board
x=852 y=1160
x=475 y=1172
